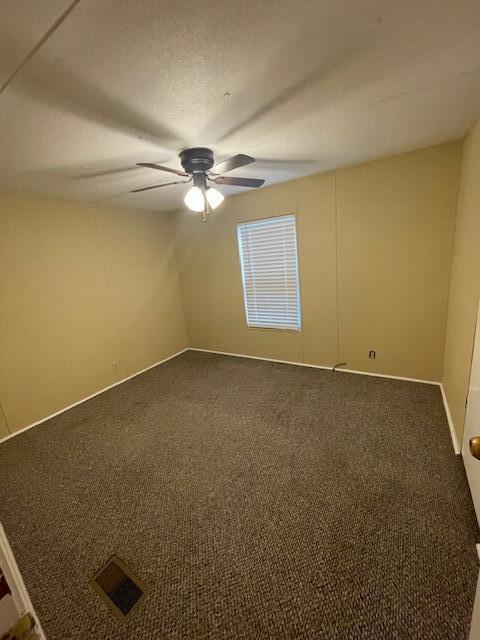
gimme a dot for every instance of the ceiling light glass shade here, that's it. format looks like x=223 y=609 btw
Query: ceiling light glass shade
x=195 y=200
x=214 y=197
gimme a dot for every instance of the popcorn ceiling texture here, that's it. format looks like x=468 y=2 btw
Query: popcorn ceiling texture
x=314 y=86
x=256 y=500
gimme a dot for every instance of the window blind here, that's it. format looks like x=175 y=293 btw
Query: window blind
x=268 y=257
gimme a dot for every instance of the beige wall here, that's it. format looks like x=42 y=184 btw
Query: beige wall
x=374 y=258
x=464 y=285
x=88 y=296
x=395 y=225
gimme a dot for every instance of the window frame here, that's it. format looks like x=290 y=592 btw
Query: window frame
x=241 y=223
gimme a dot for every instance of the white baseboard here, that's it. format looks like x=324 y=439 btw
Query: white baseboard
x=317 y=366
x=456 y=444
x=242 y=355
x=391 y=377
x=453 y=436
x=70 y=406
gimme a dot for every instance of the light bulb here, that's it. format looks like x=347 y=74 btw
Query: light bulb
x=195 y=200
x=214 y=197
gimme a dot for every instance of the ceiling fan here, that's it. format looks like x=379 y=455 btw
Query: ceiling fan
x=198 y=164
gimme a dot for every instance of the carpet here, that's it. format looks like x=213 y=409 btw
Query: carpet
x=255 y=500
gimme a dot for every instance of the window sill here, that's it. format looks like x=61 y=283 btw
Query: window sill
x=282 y=329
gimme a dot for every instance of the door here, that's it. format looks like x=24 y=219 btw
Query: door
x=471 y=449
x=471 y=436
x=16 y=610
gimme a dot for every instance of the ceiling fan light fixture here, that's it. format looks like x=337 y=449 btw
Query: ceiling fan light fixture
x=199 y=168
x=195 y=200
x=214 y=197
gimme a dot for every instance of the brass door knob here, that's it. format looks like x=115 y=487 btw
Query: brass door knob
x=475 y=447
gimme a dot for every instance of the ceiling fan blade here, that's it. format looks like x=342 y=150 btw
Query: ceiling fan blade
x=151 y=165
x=234 y=162
x=156 y=186
x=239 y=182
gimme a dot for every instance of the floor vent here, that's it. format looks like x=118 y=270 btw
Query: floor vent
x=118 y=587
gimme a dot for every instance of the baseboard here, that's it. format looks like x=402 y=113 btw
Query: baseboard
x=318 y=366
x=242 y=355
x=453 y=436
x=456 y=445
x=70 y=406
x=391 y=377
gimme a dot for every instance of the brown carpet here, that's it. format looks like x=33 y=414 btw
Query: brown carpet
x=256 y=500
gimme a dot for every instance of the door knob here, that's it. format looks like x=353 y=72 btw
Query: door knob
x=475 y=447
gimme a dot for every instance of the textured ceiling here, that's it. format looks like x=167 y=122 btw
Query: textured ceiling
x=314 y=85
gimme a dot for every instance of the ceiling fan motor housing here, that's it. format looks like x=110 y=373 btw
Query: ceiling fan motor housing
x=197 y=160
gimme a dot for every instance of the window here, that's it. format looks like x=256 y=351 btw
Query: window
x=268 y=257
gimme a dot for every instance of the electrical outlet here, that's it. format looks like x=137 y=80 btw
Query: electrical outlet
x=217 y=339
x=372 y=354
x=116 y=365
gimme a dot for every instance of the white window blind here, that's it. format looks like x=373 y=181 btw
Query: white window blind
x=268 y=256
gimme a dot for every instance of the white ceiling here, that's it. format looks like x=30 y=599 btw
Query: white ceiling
x=314 y=84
